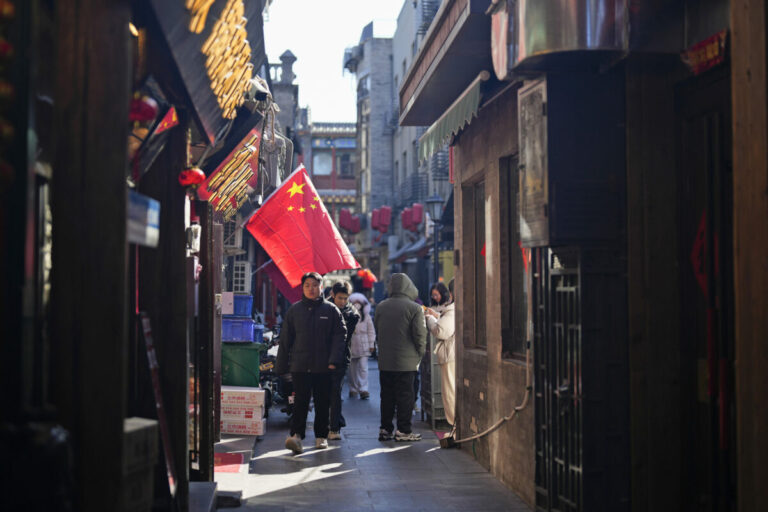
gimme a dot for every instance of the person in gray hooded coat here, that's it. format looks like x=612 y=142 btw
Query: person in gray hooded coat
x=402 y=336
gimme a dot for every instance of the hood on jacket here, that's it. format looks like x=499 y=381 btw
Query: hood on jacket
x=402 y=284
x=359 y=297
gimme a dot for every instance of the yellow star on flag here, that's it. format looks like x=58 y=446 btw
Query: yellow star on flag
x=290 y=208
x=317 y=198
x=302 y=209
x=296 y=189
x=313 y=206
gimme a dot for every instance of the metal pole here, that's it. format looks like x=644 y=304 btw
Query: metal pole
x=435 y=234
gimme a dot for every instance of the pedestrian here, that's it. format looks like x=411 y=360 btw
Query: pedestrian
x=361 y=347
x=402 y=337
x=311 y=347
x=441 y=323
x=340 y=298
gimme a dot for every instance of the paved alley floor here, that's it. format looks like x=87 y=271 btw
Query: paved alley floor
x=359 y=472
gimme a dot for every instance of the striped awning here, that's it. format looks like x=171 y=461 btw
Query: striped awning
x=458 y=115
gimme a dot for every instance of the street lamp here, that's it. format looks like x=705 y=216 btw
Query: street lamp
x=435 y=209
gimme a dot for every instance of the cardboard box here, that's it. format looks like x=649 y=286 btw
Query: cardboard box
x=139 y=444
x=242 y=412
x=244 y=427
x=242 y=396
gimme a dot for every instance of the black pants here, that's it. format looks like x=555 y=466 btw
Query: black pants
x=306 y=385
x=396 y=393
x=337 y=379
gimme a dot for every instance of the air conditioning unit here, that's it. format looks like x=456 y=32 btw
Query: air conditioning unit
x=241 y=277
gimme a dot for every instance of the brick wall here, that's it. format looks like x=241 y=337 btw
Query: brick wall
x=489 y=387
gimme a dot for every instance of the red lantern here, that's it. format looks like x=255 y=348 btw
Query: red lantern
x=385 y=217
x=417 y=214
x=345 y=219
x=406 y=218
x=191 y=176
x=355 y=225
x=375 y=219
x=143 y=109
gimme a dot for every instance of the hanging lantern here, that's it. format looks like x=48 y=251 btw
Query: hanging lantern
x=191 y=176
x=143 y=109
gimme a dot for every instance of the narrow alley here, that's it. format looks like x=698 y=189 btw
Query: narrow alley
x=357 y=473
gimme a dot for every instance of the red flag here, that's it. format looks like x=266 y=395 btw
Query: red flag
x=295 y=229
x=293 y=294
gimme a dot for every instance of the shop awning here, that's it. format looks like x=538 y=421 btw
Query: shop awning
x=408 y=249
x=456 y=117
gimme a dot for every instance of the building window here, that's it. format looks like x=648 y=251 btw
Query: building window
x=514 y=275
x=241 y=277
x=473 y=227
x=344 y=165
x=322 y=163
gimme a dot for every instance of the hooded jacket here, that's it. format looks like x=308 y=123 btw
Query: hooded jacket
x=400 y=327
x=364 y=337
x=313 y=336
x=444 y=331
x=351 y=318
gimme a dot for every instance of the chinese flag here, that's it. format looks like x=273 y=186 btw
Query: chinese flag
x=295 y=229
x=293 y=294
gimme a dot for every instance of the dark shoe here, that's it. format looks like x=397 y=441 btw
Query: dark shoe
x=384 y=435
x=364 y=395
x=293 y=443
x=410 y=436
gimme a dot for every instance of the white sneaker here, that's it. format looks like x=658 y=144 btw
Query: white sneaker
x=293 y=443
x=321 y=443
x=409 y=437
x=333 y=436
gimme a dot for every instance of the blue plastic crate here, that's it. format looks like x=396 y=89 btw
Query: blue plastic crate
x=243 y=306
x=237 y=329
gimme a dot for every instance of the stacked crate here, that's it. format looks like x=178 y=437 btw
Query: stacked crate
x=139 y=458
x=242 y=411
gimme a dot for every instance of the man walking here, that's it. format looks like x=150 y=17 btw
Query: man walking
x=402 y=336
x=340 y=298
x=311 y=347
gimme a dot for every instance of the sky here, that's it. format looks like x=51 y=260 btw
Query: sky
x=317 y=32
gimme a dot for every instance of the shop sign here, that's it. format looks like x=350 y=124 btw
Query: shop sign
x=706 y=54
x=228 y=186
x=143 y=220
x=209 y=43
x=502 y=38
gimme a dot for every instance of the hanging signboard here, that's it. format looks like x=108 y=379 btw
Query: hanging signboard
x=217 y=46
x=228 y=186
x=706 y=54
x=143 y=220
x=503 y=38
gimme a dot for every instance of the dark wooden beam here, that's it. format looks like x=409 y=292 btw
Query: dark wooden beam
x=88 y=305
x=749 y=89
x=163 y=294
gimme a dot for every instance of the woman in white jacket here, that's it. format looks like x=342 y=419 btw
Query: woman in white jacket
x=442 y=325
x=361 y=346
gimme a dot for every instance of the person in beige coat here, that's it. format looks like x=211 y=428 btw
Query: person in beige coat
x=361 y=347
x=442 y=325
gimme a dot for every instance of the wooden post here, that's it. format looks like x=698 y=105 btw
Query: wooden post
x=750 y=245
x=88 y=304
x=163 y=295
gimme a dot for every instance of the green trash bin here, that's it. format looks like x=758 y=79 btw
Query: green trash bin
x=240 y=364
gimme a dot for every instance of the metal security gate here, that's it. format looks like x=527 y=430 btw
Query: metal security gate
x=581 y=381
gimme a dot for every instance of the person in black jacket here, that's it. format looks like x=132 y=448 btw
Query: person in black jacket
x=311 y=346
x=340 y=297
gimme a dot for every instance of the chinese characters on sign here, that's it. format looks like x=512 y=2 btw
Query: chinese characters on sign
x=706 y=54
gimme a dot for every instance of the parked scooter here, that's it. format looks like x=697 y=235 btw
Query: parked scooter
x=279 y=390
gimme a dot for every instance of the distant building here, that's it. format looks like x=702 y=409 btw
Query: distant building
x=371 y=62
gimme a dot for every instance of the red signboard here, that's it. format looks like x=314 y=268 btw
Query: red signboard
x=706 y=54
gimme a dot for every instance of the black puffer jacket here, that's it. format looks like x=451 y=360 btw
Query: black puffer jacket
x=351 y=317
x=313 y=336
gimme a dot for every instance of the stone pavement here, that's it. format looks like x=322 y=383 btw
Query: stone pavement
x=359 y=472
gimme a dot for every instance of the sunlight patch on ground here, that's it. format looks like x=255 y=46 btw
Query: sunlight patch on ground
x=432 y=449
x=377 y=451
x=257 y=485
x=287 y=454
